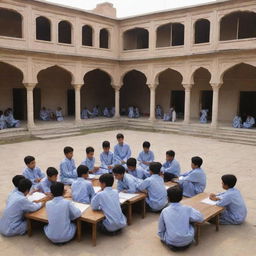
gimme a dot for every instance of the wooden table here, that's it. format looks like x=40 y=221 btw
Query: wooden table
x=170 y=184
x=210 y=212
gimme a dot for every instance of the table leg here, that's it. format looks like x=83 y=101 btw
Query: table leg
x=217 y=222
x=79 y=230
x=143 y=205
x=129 y=215
x=94 y=233
x=29 y=223
x=197 y=234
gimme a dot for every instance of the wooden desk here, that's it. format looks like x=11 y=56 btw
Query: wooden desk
x=210 y=212
x=170 y=184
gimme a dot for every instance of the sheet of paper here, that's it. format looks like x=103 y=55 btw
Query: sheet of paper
x=127 y=196
x=36 y=196
x=91 y=176
x=166 y=187
x=81 y=207
x=208 y=201
x=96 y=189
x=122 y=200
x=181 y=178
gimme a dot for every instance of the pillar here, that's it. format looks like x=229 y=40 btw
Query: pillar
x=215 y=104
x=117 y=101
x=30 y=105
x=187 y=103
x=152 y=88
x=77 y=102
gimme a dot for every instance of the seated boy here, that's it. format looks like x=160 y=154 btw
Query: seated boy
x=194 y=181
x=122 y=151
x=45 y=185
x=15 y=180
x=175 y=227
x=126 y=182
x=68 y=172
x=137 y=172
x=171 y=168
x=107 y=200
x=12 y=222
x=155 y=188
x=235 y=209
x=31 y=172
x=107 y=157
x=82 y=189
x=60 y=213
x=146 y=157
x=89 y=161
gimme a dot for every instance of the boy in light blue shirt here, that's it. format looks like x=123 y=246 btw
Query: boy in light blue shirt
x=68 y=172
x=122 y=151
x=107 y=200
x=155 y=188
x=194 y=181
x=146 y=157
x=60 y=213
x=107 y=157
x=45 y=185
x=126 y=182
x=175 y=227
x=235 y=208
x=82 y=189
x=137 y=172
x=15 y=180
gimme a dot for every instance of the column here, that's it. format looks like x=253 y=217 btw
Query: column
x=215 y=104
x=117 y=101
x=30 y=105
x=152 y=88
x=78 y=102
x=187 y=103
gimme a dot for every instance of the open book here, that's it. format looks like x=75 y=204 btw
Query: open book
x=96 y=189
x=209 y=201
x=126 y=196
x=81 y=207
x=36 y=196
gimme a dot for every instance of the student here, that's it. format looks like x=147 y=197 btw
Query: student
x=249 y=123
x=203 y=117
x=237 y=122
x=122 y=151
x=45 y=185
x=137 y=172
x=235 y=209
x=82 y=189
x=126 y=182
x=194 y=181
x=171 y=168
x=15 y=180
x=44 y=114
x=68 y=172
x=175 y=227
x=159 y=112
x=60 y=213
x=155 y=188
x=86 y=114
x=12 y=222
x=107 y=200
x=2 y=121
x=146 y=157
x=107 y=157
x=89 y=161
x=59 y=115
x=106 y=112
x=32 y=172
x=9 y=119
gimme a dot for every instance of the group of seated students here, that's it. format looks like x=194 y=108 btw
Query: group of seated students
x=176 y=220
x=248 y=123
x=7 y=119
x=48 y=115
x=131 y=112
x=97 y=112
x=169 y=116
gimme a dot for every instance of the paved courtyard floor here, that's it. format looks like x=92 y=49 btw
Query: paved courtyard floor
x=141 y=237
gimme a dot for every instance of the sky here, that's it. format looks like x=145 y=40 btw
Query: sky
x=131 y=7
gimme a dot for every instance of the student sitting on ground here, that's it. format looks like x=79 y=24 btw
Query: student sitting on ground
x=193 y=182
x=45 y=185
x=107 y=201
x=86 y=114
x=235 y=209
x=68 y=172
x=171 y=168
x=9 y=119
x=32 y=172
x=203 y=116
x=106 y=112
x=96 y=111
x=59 y=115
x=175 y=227
x=249 y=123
x=113 y=111
x=134 y=170
x=2 y=121
x=146 y=157
x=107 y=157
x=15 y=180
x=126 y=182
x=60 y=213
x=131 y=112
x=12 y=222
x=82 y=189
x=237 y=122
x=155 y=188
x=159 y=112
x=122 y=151
x=136 y=112
x=44 y=114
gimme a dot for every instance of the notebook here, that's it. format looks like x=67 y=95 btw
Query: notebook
x=81 y=207
x=209 y=201
x=126 y=196
x=36 y=196
x=96 y=189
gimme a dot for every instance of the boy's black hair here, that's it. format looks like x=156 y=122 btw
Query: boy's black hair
x=51 y=171
x=28 y=159
x=170 y=153
x=155 y=167
x=119 y=136
x=131 y=162
x=146 y=144
x=68 y=150
x=118 y=169
x=89 y=150
x=16 y=180
x=24 y=185
x=196 y=160
x=108 y=179
x=1 y=112
x=175 y=194
x=82 y=169
x=229 y=180
x=106 y=144
x=57 y=189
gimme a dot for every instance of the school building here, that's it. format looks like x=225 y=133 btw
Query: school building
x=193 y=58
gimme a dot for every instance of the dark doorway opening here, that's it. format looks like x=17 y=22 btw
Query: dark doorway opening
x=71 y=102
x=19 y=103
x=247 y=104
x=206 y=102
x=178 y=101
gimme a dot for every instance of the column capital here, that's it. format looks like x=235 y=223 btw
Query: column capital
x=216 y=86
x=30 y=86
x=77 y=86
x=187 y=86
x=152 y=86
x=116 y=87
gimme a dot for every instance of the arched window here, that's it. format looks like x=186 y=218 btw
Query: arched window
x=43 y=29
x=202 y=31
x=10 y=23
x=136 y=38
x=104 y=38
x=65 y=32
x=87 y=35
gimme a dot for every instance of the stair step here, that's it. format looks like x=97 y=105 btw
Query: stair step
x=60 y=135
